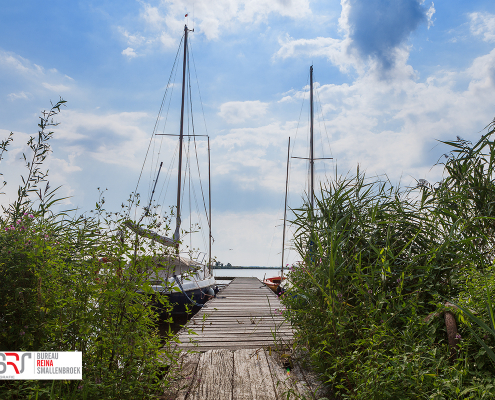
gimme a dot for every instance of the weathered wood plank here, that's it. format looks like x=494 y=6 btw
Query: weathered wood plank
x=284 y=384
x=186 y=369
x=214 y=376
x=252 y=379
x=245 y=314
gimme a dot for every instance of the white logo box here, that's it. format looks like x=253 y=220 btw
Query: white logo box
x=26 y=365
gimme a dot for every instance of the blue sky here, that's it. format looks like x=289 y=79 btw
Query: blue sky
x=391 y=76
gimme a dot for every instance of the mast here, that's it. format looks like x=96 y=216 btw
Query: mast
x=181 y=139
x=209 y=204
x=311 y=154
x=285 y=206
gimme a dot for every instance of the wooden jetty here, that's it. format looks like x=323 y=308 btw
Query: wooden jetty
x=244 y=315
x=241 y=350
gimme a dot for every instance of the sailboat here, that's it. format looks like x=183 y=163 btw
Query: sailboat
x=275 y=283
x=187 y=283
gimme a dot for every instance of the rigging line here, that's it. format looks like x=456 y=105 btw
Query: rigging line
x=299 y=120
x=200 y=182
x=190 y=208
x=194 y=141
x=321 y=141
x=149 y=144
x=196 y=149
x=199 y=91
x=185 y=175
x=199 y=216
x=165 y=122
x=168 y=176
x=197 y=162
x=189 y=111
x=325 y=126
x=309 y=164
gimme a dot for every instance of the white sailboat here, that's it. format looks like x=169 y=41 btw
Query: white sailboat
x=185 y=281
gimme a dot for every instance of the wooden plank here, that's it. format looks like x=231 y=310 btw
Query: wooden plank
x=302 y=385
x=252 y=379
x=245 y=314
x=284 y=384
x=213 y=379
x=185 y=370
x=235 y=338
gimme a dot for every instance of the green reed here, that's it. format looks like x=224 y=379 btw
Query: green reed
x=378 y=263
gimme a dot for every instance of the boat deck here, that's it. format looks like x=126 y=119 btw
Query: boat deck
x=244 y=315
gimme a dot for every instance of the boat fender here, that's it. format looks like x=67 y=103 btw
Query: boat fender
x=210 y=293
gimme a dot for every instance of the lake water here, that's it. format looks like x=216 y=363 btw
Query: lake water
x=246 y=272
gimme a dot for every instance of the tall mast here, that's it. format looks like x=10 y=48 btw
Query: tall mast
x=285 y=206
x=181 y=138
x=209 y=203
x=311 y=154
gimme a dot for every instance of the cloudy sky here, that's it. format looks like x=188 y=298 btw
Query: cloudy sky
x=392 y=77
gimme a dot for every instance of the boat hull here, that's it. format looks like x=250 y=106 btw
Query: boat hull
x=187 y=299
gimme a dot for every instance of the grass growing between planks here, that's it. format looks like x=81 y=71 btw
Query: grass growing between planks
x=78 y=283
x=384 y=268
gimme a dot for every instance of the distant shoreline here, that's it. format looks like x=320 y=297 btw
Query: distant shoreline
x=241 y=267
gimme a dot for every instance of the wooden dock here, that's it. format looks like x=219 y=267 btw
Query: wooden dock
x=245 y=314
x=240 y=350
x=245 y=374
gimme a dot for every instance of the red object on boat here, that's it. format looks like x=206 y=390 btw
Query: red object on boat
x=273 y=283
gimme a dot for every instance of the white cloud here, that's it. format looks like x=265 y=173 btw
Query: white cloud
x=483 y=24
x=18 y=63
x=55 y=87
x=20 y=95
x=429 y=15
x=235 y=112
x=132 y=40
x=110 y=139
x=167 y=41
x=32 y=75
x=164 y=22
x=390 y=126
x=129 y=52
x=336 y=50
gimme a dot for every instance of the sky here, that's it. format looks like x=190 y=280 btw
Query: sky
x=391 y=79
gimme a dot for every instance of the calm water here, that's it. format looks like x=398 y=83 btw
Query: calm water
x=246 y=272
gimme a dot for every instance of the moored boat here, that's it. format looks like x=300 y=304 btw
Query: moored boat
x=186 y=282
x=274 y=283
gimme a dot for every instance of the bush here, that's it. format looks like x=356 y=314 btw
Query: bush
x=78 y=283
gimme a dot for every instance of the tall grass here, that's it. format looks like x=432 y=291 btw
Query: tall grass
x=379 y=263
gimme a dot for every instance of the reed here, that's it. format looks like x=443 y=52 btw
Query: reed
x=379 y=260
